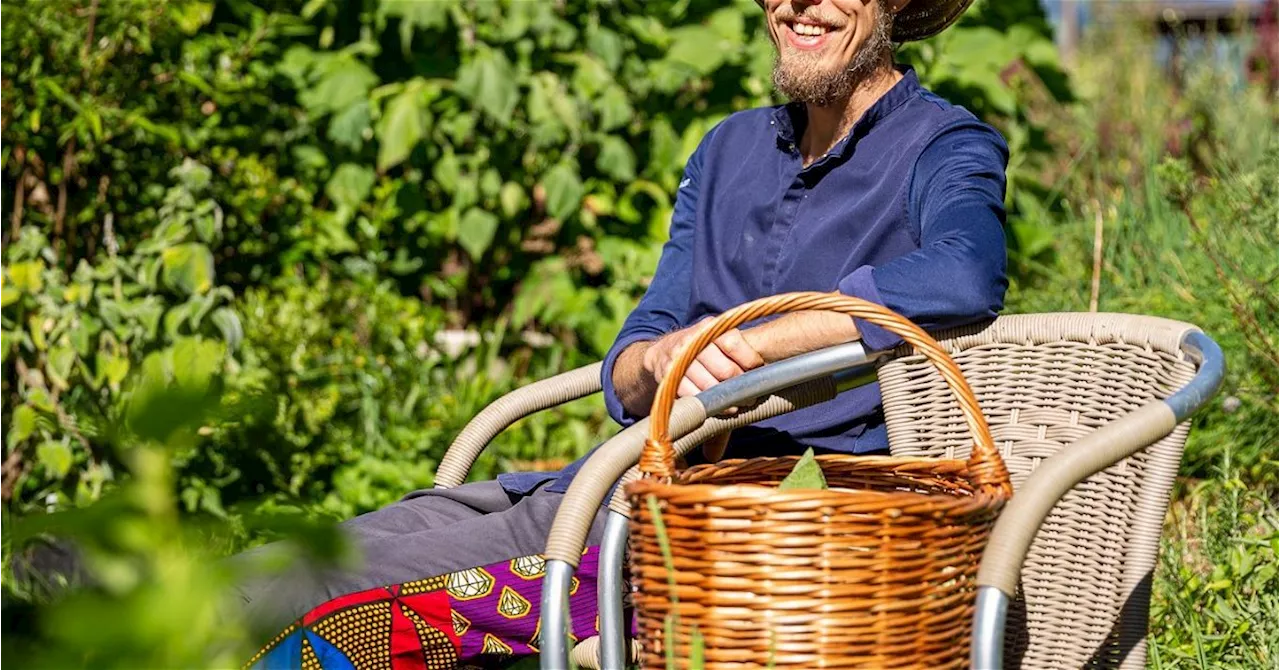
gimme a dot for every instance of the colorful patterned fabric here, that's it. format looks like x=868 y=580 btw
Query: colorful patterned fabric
x=486 y=616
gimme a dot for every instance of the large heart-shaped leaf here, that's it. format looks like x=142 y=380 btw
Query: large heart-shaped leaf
x=489 y=82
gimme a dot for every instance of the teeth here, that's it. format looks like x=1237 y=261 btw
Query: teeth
x=808 y=30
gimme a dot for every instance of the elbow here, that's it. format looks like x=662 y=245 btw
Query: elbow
x=980 y=294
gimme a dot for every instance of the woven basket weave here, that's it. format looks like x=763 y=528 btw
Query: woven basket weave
x=877 y=571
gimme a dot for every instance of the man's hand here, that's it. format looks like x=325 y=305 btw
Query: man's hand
x=725 y=358
x=642 y=366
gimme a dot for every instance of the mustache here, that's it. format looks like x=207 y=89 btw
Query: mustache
x=786 y=13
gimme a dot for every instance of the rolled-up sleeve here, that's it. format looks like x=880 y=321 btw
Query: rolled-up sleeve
x=665 y=305
x=957 y=276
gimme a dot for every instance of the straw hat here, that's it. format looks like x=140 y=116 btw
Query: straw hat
x=923 y=18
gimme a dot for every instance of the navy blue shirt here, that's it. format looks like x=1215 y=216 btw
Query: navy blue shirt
x=906 y=211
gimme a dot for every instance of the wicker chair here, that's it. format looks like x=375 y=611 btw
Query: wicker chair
x=1044 y=382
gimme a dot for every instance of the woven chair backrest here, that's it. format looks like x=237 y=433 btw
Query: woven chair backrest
x=1043 y=381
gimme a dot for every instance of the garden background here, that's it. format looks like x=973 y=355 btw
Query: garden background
x=263 y=260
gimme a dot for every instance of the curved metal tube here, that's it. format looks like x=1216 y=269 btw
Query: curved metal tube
x=989 y=615
x=613 y=635
x=555 y=615
x=1017 y=526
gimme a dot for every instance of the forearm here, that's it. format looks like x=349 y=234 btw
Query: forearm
x=802 y=332
x=632 y=382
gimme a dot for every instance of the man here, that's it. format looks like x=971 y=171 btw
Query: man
x=865 y=183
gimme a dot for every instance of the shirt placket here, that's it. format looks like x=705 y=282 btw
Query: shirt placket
x=788 y=210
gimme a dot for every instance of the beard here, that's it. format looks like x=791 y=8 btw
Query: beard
x=800 y=78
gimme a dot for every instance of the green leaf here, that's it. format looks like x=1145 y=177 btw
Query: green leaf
x=350 y=185
x=564 y=190
x=21 y=425
x=512 y=199
x=342 y=81
x=614 y=108
x=28 y=276
x=188 y=268
x=447 y=170
x=401 y=128
x=489 y=82
x=698 y=48
x=475 y=232
x=61 y=360
x=348 y=127
x=806 y=475
x=607 y=45
x=413 y=14
x=55 y=457
x=228 y=323
x=616 y=159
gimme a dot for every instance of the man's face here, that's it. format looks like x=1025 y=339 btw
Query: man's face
x=827 y=47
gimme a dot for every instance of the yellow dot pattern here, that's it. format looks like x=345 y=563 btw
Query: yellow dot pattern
x=309 y=659
x=271 y=645
x=437 y=648
x=424 y=585
x=362 y=633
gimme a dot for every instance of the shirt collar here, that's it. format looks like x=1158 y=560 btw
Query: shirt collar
x=790 y=118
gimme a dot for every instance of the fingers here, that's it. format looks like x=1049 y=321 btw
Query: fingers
x=718 y=364
x=700 y=376
x=734 y=346
x=687 y=389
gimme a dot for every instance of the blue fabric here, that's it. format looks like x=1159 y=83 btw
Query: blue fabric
x=906 y=211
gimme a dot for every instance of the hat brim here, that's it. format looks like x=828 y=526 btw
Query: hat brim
x=921 y=19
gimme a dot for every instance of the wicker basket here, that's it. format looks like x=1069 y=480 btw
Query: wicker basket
x=877 y=571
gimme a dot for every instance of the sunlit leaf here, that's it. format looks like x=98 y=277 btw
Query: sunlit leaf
x=21 y=425
x=490 y=84
x=350 y=185
x=188 y=268
x=564 y=190
x=55 y=457
x=616 y=159
x=27 y=276
x=807 y=474
x=476 y=231
x=402 y=125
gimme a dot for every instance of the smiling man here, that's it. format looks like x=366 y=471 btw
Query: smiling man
x=865 y=183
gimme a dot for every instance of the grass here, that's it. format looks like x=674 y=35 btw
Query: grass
x=1170 y=200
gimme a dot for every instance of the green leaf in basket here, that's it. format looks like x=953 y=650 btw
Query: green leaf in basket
x=806 y=475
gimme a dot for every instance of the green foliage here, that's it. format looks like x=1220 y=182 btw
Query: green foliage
x=72 y=339
x=1215 y=599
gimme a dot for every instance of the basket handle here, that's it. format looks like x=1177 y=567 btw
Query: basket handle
x=658 y=458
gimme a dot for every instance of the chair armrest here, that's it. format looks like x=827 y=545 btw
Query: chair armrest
x=508 y=409
x=1018 y=524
